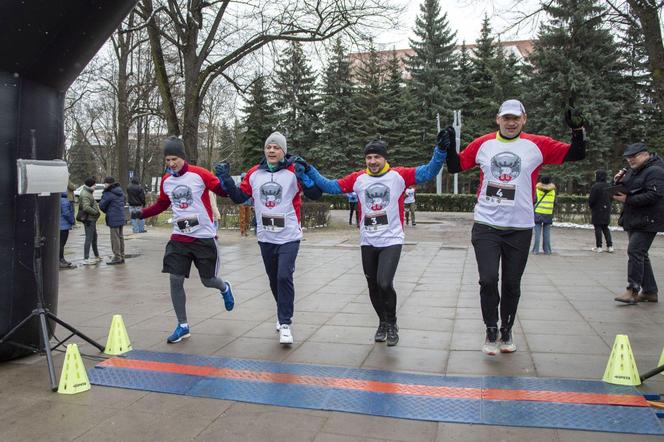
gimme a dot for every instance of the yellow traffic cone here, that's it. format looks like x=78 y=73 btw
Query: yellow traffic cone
x=621 y=368
x=118 y=339
x=74 y=378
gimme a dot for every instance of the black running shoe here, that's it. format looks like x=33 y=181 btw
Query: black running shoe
x=392 y=335
x=381 y=332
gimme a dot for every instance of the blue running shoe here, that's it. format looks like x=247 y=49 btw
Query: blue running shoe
x=229 y=301
x=179 y=334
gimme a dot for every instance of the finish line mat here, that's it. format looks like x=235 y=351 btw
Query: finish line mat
x=490 y=400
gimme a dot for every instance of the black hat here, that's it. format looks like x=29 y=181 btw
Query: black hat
x=109 y=180
x=174 y=146
x=633 y=149
x=379 y=147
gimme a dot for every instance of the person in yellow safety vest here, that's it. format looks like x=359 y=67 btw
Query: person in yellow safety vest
x=544 y=202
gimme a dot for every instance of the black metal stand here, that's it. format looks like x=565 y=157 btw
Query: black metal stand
x=652 y=373
x=43 y=313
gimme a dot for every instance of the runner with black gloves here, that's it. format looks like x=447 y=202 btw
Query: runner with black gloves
x=276 y=185
x=509 y=162
x=185 y=188
x=380 y=190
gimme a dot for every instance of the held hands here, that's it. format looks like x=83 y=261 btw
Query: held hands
x=446 y=139
x=222 y=170
x=301 y=169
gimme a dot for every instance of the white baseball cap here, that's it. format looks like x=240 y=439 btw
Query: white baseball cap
x=511 y=107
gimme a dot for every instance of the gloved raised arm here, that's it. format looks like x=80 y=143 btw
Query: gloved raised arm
x=223 y=172
x=576 y=121
x=444 y=143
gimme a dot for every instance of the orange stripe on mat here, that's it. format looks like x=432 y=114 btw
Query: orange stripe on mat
x=380 y=387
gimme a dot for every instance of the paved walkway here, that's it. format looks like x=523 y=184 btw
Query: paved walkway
x=566 y=325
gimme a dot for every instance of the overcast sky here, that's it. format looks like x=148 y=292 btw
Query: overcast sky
x=464 y=16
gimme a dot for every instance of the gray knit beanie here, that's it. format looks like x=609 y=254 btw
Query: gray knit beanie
x=278 y=139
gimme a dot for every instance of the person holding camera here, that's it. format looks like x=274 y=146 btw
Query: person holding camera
x=642 y=217
x=510 y=161
x=381 y=189
x=276 y=185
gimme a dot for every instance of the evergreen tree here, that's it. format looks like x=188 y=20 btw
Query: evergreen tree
x=296 y=101
x=81 y=160
x=259 y=122
x=432 y=70
x=481 y=112
x=332 y=156
x=366 y=102
x=576 y=59
x=397 y=110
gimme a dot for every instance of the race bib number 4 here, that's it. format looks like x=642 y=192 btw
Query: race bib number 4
x=187 y=224
x=500 y=193
x=273 y=223
x=375 y=221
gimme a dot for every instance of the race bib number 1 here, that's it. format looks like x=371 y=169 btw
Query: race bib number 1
x=273 y=223
x=500 y=193
x=375 y=221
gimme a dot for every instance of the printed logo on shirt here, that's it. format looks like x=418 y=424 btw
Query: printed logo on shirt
x=378 y=196
x=506 y=166
x=182 y=197
x=271 y=194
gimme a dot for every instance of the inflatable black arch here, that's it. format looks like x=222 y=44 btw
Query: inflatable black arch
x=44 y=46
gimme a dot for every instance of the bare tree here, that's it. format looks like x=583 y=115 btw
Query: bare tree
x=213 y=36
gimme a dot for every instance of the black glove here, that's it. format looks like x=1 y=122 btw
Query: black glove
x=446 y=139
x=299 y=161
x=574 y=118
x=135 y=213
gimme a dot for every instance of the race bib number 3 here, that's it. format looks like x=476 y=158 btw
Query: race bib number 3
x=375 y=221
x=273 y=223
x=187 y=224
x=499 y=193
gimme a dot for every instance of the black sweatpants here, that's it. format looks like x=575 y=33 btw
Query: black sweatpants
x=491 y=247
x=380 y=265
x=639 y=269
x=599 y=230
x=279 y=261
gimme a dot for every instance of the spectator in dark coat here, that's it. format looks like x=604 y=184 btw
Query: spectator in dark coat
x=600 y=211
x=112 y=204
x=642 y=217
x=66 y=223
x=136 y=200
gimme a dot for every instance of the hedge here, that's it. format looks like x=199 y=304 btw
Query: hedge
x=567 y=207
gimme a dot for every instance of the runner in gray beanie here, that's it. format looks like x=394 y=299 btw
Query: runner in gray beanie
x=174 y=146
x=278 y=139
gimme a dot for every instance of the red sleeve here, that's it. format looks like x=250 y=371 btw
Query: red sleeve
x=553 y=151
x=468 y=156
x=211 y=181
x=346 y=183
x=162 y=203
x=407 y=173
x=245 y=186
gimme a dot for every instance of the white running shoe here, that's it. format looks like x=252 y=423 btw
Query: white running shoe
x=490 y=346
x=278 y=325
x=609 y=249
x=597 y=249
x=285 y=335
x=90 y=262
x=507 y=344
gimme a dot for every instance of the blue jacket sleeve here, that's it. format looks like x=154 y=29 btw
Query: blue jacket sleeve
x=70 y=213
x=326 y=185
x=429 y=171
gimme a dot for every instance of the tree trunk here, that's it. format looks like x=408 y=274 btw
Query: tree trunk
x=122 y=137
x=160 y=70
x=647 y=13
